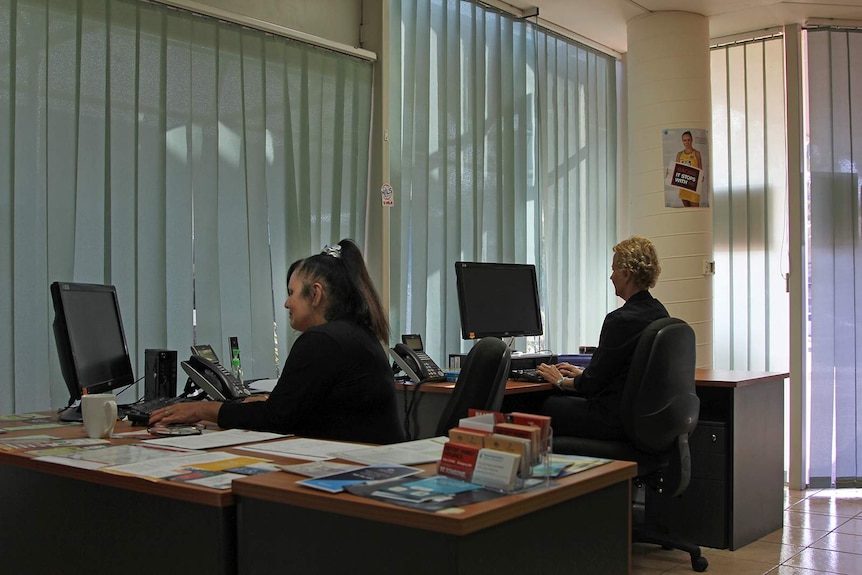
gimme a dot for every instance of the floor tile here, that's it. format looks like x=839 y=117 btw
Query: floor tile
x=653 y=558
x=822 y=535
x=762 y=551
x=727 y=565
x=829 y=506
x=789 y=570
x=837 y=493
x=792 y=496
x=813 y=520
x=853 y=527
x=790 y=535
x=840 y=542
x=828 y=561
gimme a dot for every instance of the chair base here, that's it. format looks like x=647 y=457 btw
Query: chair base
x=657 y=536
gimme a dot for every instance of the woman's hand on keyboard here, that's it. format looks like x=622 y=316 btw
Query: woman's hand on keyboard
x=187 y=412
x=569 y=370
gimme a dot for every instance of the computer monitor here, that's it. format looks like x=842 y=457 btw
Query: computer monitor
x=91 y=343
x=499 y=300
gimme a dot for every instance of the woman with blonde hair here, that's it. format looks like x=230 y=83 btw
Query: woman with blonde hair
x=588 y=401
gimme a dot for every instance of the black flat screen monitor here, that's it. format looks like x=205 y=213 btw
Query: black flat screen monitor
x=499 y=300
x=91 y=343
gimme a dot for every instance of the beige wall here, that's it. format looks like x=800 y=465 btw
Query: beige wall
x=336 y=20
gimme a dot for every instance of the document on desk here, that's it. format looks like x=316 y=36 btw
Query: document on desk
x=213 y=439
x=265 y=385
x=89 y=457
x=406 y=453
x=167 y=467
x=302 y=448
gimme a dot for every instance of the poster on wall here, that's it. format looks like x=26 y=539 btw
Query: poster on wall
x=686 y=160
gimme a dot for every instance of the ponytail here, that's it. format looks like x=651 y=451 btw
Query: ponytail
x=350 y=294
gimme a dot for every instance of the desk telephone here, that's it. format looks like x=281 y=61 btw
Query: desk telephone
x=207 y=373
x=410 y=357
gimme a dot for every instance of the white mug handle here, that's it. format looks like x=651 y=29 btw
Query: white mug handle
x=110 y=408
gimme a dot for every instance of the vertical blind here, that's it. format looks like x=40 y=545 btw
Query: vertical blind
x=186 y=161
x=504 y=149
x=750 y=208
x=835 y=252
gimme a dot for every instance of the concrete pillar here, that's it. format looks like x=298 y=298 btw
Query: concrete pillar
x=668 y=81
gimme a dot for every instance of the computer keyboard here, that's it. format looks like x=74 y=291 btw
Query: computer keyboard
x=139 y=413
x=527 y=375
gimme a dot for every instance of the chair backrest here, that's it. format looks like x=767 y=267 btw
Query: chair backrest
x=659 y=406
x=480 y=384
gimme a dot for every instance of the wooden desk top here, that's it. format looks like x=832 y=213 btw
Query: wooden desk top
x=703 y=378
x=735 y=378
x=512 y=387
x=171 y=489
x=282 y=488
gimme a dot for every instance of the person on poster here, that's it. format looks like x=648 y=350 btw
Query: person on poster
x=689 y=156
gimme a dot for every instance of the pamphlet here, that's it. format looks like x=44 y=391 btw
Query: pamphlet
x=336 y=482
x=437 y=487
x=319 y=468
x=433 y=505
x=567 y=465
x=496 y=469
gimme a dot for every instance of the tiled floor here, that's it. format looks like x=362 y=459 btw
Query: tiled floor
x=822 y=534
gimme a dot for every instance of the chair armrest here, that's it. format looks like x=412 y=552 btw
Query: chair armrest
x=678 y=473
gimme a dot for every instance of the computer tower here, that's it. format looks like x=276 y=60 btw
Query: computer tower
x=160 y=377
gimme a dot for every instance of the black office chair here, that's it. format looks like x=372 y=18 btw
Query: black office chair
x=659 y=409
x=480 y=384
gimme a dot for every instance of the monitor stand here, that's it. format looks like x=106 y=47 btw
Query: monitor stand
x=72 y=413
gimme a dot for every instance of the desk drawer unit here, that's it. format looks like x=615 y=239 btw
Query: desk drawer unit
x=700 y=514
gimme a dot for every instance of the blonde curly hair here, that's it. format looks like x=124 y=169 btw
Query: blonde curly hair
x=638 y=256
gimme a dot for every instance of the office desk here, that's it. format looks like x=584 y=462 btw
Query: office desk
x=581 y=524
x=736 y=494
x=427 y=401
x=60 y=519
x=737 y=491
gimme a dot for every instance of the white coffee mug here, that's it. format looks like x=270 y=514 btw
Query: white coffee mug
x=100 y=414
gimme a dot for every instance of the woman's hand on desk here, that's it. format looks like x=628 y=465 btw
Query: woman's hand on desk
x=187 y=412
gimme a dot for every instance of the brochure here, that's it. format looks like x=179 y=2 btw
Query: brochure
x=319 y=468
x=336 y=482
x=432 y=505
x=436 y=487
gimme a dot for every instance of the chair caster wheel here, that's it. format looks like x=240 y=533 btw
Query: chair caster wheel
x=700 y=564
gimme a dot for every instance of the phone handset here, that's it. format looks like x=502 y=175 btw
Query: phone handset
x=418 y=366
x=214 y=379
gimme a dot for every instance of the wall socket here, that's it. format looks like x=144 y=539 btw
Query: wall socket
x=708 y=268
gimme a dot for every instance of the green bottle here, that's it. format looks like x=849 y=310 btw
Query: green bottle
x=235 y=367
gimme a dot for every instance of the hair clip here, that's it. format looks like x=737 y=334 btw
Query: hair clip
x=334 y=251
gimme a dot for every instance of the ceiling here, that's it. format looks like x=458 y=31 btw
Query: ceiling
x=604 y=21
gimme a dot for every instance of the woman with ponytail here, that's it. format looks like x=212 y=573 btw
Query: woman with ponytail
x=336 y=383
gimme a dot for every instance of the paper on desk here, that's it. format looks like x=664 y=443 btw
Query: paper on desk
x=212 y=439
x=406 y=453
x=96 y=458
x=171 y=466
x=302 y=448
x=266 y=385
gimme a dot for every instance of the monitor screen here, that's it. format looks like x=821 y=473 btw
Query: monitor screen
x=91 y=343
x=500 y=300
